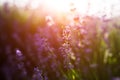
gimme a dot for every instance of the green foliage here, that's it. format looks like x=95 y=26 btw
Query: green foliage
x=114 y=50
x=61 y=52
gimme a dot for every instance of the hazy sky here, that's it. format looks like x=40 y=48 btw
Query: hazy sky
x=97 y=7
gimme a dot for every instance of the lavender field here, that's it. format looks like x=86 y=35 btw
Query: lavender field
x=38 y=46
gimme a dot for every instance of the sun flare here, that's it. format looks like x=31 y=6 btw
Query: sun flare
x=63 y=5
x=84 y=7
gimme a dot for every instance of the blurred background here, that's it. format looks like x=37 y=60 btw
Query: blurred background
x=59 y=39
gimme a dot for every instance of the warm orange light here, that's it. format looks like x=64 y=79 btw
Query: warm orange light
x=63 y=5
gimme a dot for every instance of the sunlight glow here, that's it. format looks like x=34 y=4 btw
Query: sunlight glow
x=64 y=5
x=91 y=7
